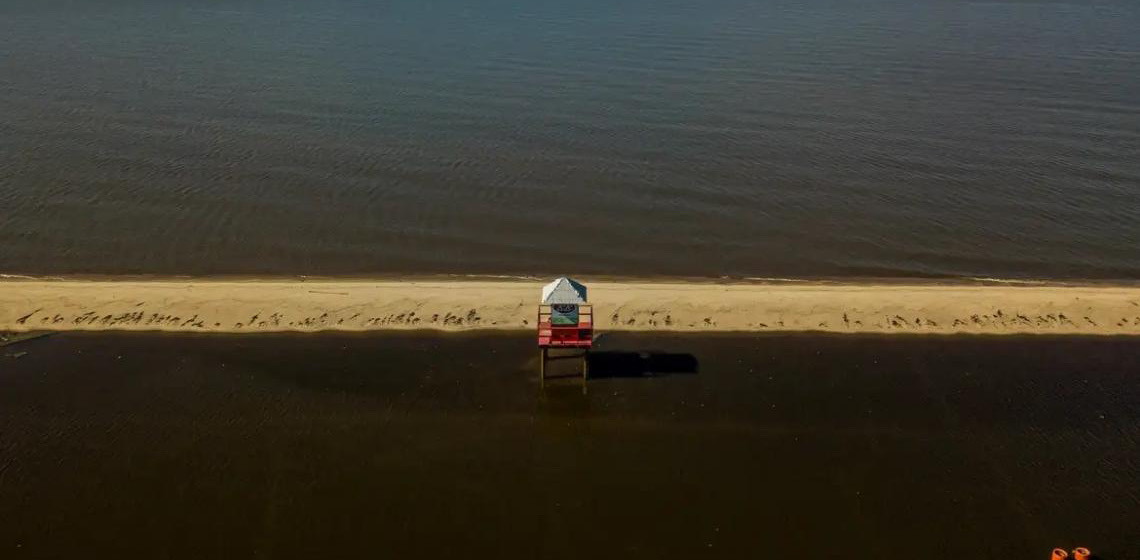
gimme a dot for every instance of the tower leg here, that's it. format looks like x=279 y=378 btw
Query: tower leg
x=542 y=367
x=585 y=369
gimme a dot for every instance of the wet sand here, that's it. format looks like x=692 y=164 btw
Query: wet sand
x=716 y=446
x=456 y=305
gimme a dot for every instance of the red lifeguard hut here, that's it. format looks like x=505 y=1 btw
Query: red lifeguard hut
x=565 y=320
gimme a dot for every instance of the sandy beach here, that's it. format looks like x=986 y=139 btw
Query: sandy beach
x=456 y=305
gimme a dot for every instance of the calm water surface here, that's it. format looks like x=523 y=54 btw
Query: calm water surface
x=412 y=446
x=629 y=137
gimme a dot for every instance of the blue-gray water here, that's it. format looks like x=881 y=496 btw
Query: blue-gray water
x=628 y=137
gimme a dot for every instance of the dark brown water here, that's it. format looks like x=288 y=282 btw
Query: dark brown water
x=425 y=446
x=633 y=137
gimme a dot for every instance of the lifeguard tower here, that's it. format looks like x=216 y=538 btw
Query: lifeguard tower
x=565 y=320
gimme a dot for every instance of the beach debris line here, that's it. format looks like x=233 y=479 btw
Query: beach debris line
x=565 y=321
x=276 y=306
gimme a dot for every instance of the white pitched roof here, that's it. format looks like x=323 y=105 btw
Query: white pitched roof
x=563 y=290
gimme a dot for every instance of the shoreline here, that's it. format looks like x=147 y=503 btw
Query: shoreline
x=589 y=279
x=223 y=305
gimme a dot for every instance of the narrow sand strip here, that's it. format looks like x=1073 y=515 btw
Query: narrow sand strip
x=267 y=306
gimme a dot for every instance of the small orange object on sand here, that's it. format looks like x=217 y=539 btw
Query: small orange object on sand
x=1059 y=554
x=1081 y=553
